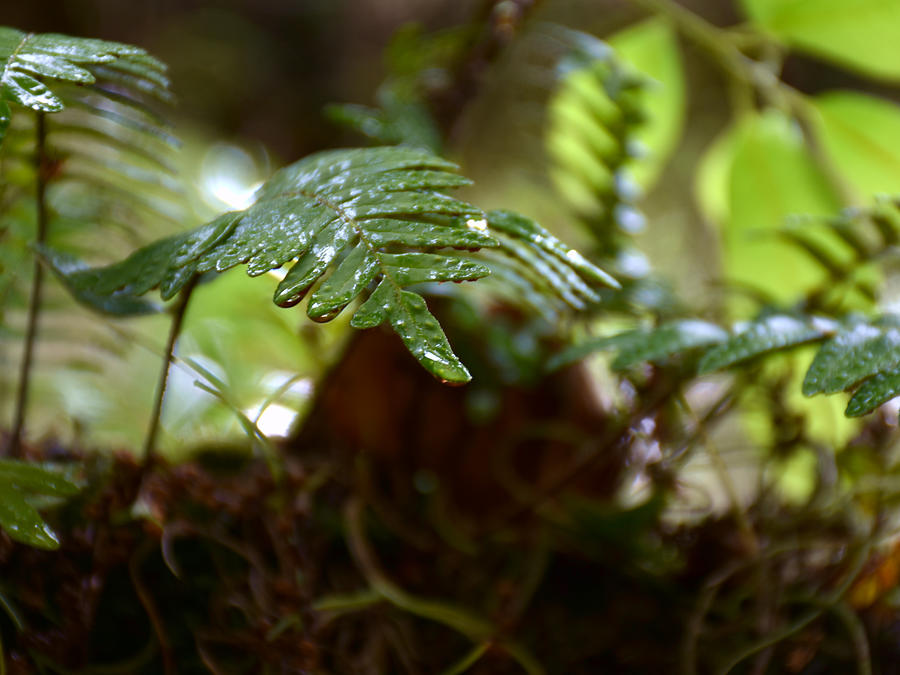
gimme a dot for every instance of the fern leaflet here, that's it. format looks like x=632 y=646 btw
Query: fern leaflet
x=770 y=334
x=20 y=484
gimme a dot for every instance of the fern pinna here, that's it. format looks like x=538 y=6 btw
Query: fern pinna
x=22 y=485
x=375 y=217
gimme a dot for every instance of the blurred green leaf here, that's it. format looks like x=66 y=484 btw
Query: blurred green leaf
x=773 y=333
x=588 y=347
x=860 y=351
x=666 y=341
x=19 y=483
x=875 y=391
x=592 y=121
x=861 y=135
x=713 y=177
x=400 y=118
x=772 y=177
x=858 y=34
x=651 y=47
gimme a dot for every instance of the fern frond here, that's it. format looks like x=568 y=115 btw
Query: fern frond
x=97 y=111
x=590 y=136
x=770 y=334
x=877 y=390
x=21 y=483
x=375 y=218
x=856 y=354
x=26 y=59
x=65 y=267
x=353 y=210
x=654 y=345
x=859 y=351
x=666 y=341
x=108 y=139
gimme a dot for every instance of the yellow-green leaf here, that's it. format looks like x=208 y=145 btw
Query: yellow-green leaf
x=857 y=34
x=861 y=135
x=773 y=176
x=651 y=47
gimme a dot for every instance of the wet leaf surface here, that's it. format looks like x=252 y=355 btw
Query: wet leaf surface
x=768 y=335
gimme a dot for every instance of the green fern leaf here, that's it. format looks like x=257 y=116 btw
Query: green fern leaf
x=857 y=353
x=373 y=217
x=666 y=341
x=642 y=345
x=872 y=393
x=110 y=147
x=109 y=174
x=20 y=483
x=26 y=59
x=351 y=211
x=773 y=333
x=534 y=254
x=116 y=304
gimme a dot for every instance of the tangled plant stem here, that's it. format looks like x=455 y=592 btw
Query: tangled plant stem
x=477 y=629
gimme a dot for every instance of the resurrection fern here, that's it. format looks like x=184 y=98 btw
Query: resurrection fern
x=107 y=144
x=374 y=217
x=27 y=60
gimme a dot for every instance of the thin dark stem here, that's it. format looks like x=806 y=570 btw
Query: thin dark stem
x=146 y=599
x=37 y=283
x=178 y=312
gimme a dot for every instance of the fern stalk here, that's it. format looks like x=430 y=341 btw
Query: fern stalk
x=37 y=284
x=178 y=313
